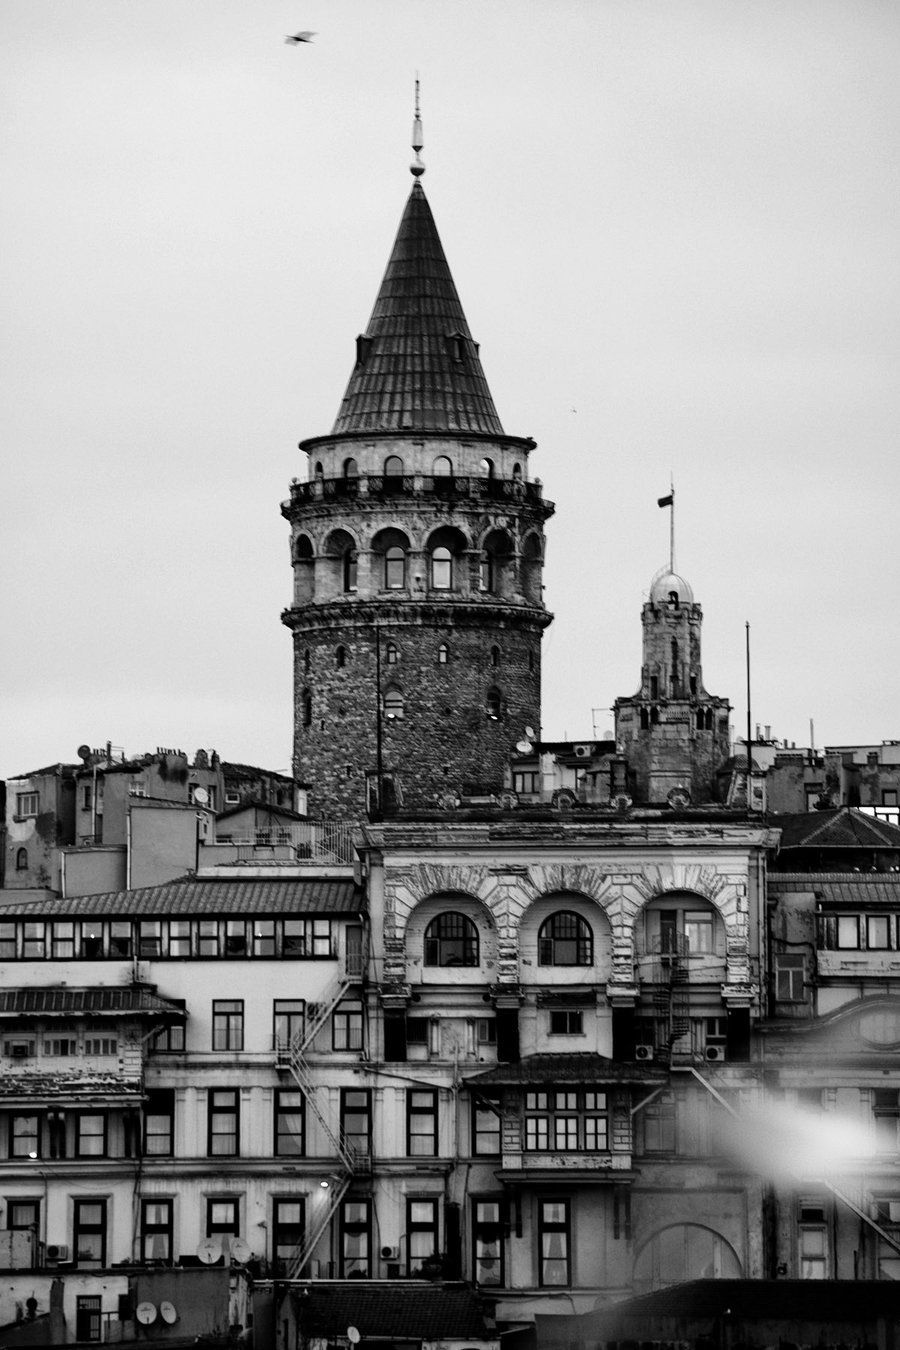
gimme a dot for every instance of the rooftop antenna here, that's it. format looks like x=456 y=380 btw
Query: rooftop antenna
x=417 y=168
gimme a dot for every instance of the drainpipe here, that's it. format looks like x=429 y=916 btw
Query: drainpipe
x=838 y=1195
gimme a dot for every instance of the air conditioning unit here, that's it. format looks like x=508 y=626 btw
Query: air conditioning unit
x=582 y=751
x=57 y=1251
x=390 y=1253
x=643 y=1052
x=714 y=1053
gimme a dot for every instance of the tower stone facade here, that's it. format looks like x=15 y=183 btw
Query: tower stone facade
x=417 y=547
x=673 y=733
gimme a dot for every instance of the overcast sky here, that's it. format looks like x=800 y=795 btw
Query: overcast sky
x=673 y=225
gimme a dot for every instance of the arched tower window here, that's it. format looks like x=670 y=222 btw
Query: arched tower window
x=307 y=708
x=495 y=656
x=351 y=562
x=395 y=569
x=565 y=939
x=21 y=859
x=392 y=653
x=351 y=469
x=675 y=680
x=443 y=654
x=393 y=466
x=340 y=657
x=443 y=467
x=304 y=570
x=393 y=704
x=497 y=564
x=307 y=659
x=319 y=472
x=487 y=467
x=517 y=473
x=441 y=569
x=451 y=940
x=532 y=562
x=486 y=574
x=493 y=704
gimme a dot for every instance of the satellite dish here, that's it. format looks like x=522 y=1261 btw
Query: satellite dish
x=353 y=1336
x=240 y=1251
x=529 y=732
x=524 y=746
x=84 y=752
x=201 y=796
x=209 y=1251
x=145 y=1313
x=167 y=1313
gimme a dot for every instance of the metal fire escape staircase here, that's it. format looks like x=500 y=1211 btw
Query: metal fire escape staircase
x=670 y=995
x=349 y=1161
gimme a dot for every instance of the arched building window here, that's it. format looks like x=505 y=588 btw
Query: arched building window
x=493 y=705
x=495 y=656
x=393 y=704
x=565 y=939
x=443 y=654
x=351 y=468
x=307 y=709
x=392 y=653
x=393 y=466
x=443 y=468
x=21 y=859
x=441 y=569
x=451 y=940
x=351 y=565
x=395 y=569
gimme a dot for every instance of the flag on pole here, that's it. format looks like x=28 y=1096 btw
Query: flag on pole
x=666 y=501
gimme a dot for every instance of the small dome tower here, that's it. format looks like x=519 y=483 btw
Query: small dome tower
x=417 y=546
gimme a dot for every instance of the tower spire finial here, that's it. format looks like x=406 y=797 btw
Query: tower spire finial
x=417 y=168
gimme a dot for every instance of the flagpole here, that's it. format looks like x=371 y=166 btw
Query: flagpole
x=672 y=528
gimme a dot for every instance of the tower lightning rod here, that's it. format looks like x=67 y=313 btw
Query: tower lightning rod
x=672 y=524
x=749 y=759
x=417 y=168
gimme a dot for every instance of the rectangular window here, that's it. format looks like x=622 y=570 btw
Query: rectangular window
x=264 y=937
x=23 y=1215
x=88 y=1317
x=170 y=1040
x=87 y=796
x=223 y=1220
x=356 y=1120
x=355 y=1240
x=224 y=1133
x=421 y=1234
x=290 y=1110
x=90 y=1135
x=485 y=1131
x=878 y=932
x=347 y=1026
x=159 y=1123
x=306 y=937
x=34 y=941
x=179 y=937
x=25 y=1136
x=62 y=943
x=156 y=1230
x=569 y=1121
x=207 y=937
x=553 y=1236
x=888 y=796
x=659 y=1124
x=228 y=1024
x=89 y=1232
x=417 y=1031
x=149 y=938
x=120 y=947
x=698 y=931
x=886 y=1107
x=566 y=1022
x=847 y=931
x=812 y=1241
x=288 y=1232
x=789 y=972
x=487 y=1241
x=525 y=782
x=7 y=942
x=236 y=937
x=421 y=1123
x=26 y=803
x=61 y=1047
x=91 y=939
x=289 y=1015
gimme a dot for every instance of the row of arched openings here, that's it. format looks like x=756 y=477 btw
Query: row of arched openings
x=564 y=939
x=393 y=467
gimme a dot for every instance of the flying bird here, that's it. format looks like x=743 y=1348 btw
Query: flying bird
x=295 y=38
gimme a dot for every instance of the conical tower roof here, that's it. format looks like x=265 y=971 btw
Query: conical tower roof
x=417 y=366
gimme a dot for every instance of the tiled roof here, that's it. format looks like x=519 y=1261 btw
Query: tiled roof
x=578 y=1068
x=230 y=769
x=823 y=1301
x=839 y=888
x=280 y=895
x=844 y=827
x=413 y=375
x=63 y=1001
x=404 y=1311
x=96 y=1089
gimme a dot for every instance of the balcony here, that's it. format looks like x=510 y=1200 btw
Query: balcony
x=448 y=487
x=322 y=844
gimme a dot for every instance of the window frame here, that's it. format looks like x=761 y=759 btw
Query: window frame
x=422 y=1122
x=217 y=1111
x=481 y=1135
x=227 y=1024
x=546 y=1227
x=550 y=941
x=347 y=1026
x=289 y=1142
x=163 y=1099
x=439 y=946
x=86 y=1138
x=353 y=1111
x=152 y=1231
x=282 y=1227
x=20 y=1138
x=84 y=1228
x=357 y=1265
x=440 y=568
x=790 y=977
x=488 y=1233
x=418 y=1227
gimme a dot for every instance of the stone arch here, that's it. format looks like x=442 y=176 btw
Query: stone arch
x=337 y=564
x=497 y=564
x=684 y=1251
x=532 y=567
x=536 y=915
x=421 y=920
x=446 y=548
x=390 y=559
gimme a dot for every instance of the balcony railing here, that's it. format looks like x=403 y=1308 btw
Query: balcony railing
x=447 y=486
x=315 y=844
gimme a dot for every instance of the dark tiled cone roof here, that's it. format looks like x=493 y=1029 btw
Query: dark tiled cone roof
x=578 y=1068
x=408 y=1310
x=844 y=827
x=61 y=1001
x=315 y=895
x=411 y=377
